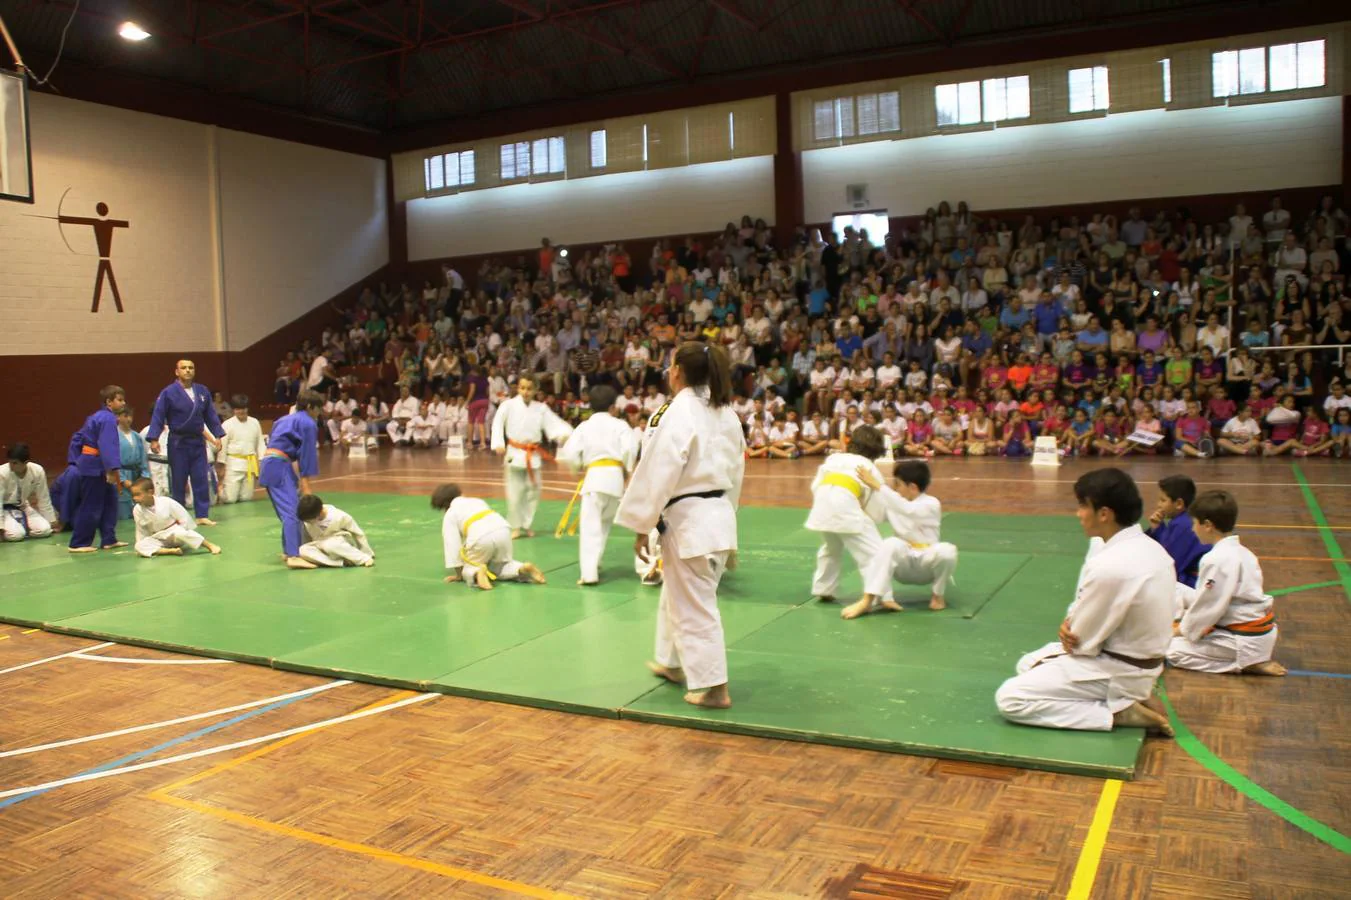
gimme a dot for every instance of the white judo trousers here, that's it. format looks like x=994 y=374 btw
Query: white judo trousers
x=863 y=547
x=491 y=549
x=1054 y=689
x=1220 y=652
x=25 y=522
x=897 y=561
x=522 y=497
x=689 y=626
x=238 y=486
x=334 y=552
x=173 y=536
x=593 y=530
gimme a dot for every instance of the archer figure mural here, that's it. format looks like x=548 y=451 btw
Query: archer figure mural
x=103 y=234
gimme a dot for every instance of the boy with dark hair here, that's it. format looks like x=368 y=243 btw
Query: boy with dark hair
x=915 y=555
x=477 y=542
x=1100 y=674
x=334 y=537
x=1226 y=623
x=604 y=450
x=1171 y=526
x=845 y=511
x=28 y=510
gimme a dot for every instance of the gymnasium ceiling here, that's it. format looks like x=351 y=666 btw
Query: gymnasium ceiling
x=392 y=65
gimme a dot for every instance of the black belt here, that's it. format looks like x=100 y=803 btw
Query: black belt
x=702 y=495
x=1152 y=663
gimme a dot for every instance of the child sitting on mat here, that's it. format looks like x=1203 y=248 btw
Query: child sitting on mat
x=333 y=538
x=1171 y=526
x=477 y=542
x=163 y=526
x=1226 y=623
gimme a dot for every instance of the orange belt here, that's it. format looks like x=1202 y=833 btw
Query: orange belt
x=90 y=451
x=1255 y=628
x=532 y=450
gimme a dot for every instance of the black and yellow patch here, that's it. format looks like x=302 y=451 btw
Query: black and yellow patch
x=655 y=420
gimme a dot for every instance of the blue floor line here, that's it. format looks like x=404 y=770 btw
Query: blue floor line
x=1312 y=674
x=142 y=754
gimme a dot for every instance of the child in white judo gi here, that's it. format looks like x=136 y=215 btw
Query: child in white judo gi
x=603 y=448
x=915 y=555
x=28 y=511
x=333 y=538
x=423 y=426
x=845 y=511
x=520 y=426
x=1225 y=624
x=454 y=420
x=477 y=542
x=240 y=450
x=1100 y=674
x=353 y=432
x=163 y=526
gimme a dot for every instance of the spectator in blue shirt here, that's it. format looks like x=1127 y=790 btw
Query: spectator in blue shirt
x=849 y=342
x=1092 y=339
x=1047 y=314
x=974 y=339
x=816 y=300
x=1014 y=317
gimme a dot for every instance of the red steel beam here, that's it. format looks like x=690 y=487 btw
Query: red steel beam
x=909 y=7
x=704 y=33
x=731 y=9
x=252 y=23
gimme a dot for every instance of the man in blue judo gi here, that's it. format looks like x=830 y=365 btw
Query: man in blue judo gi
x=100 y=458
x=186 y=408
x=290 y=461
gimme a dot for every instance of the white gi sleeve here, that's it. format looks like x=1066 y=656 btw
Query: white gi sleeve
x=1215 y=588
x=350 y=525
x=450 y=539
x=1101 y=607
x=570 y=453
x=41 y=494
x=499 y=435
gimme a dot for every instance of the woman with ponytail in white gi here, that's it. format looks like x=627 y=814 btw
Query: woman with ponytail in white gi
x=687 y=485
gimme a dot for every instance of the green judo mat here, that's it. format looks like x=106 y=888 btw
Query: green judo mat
x=913 y=682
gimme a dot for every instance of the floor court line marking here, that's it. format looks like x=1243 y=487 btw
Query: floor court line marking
x=38 y=662
x=118 y=766
x=1324 y=530
x=30 y=631
x=1311 y=674
x=1281 y=592
x=1086 y=869
x=1193 y=747
x=195 y=717
x=210 y=751
x=93 y=657
x=163 y=795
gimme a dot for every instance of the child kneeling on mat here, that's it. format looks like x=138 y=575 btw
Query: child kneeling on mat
x=163 y=526
x=477 y=542
x=334 y=539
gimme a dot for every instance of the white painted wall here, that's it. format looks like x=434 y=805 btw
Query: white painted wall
x=1155 y=153
x=586 y=210
x=280 y=227
x=152 y=172
x=299 y=225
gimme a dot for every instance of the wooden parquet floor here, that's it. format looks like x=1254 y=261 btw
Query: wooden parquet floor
x=455 y=797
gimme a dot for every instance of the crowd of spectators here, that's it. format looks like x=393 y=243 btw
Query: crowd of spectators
x=957 y=334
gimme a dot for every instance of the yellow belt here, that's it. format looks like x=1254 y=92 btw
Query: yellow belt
x=464 y=531
x=839 y=479
x=252 y=459
x=915 y=546
x=605 y=462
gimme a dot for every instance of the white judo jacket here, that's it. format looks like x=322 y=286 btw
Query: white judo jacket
x=605 y=449
x=515 y=421
x=841 y=504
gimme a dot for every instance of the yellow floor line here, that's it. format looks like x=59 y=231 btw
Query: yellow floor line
x=1086 y=869
x=30 y=631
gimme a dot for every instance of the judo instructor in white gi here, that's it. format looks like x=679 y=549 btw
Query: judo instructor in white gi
x=687 y=486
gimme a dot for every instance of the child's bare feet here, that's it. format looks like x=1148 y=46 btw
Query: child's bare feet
x=82 y=550
x=169 y=551
x=1137 y=715
x=713 y=698
x=206 y=521
x=529 y=533
x=482 y=580
x=890 y=605
x=1270 y=667
x=114 y=545
x=937 y=602
x=452 y=578
x=368 y=563
x=860 y=608
x=515 y=534
x=531 y=572
x=214 y=548
x=675 y=676
x=296 y=562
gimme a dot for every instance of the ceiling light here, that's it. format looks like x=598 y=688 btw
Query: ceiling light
x=132 y=32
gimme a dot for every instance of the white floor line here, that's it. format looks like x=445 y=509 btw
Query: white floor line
x=38 y=662
x=37 y=748
x=93 y=657
x=209 y=751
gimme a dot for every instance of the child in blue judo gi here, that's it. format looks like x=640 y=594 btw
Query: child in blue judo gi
x=291 y=460
x=98 y=467
x=1171 y=525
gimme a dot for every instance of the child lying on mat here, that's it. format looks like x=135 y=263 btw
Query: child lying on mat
x=477 y=542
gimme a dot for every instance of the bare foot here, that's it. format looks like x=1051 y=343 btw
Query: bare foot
x=1137 y=715
x=1155 y=704
x=367 y=564
x=82 y=550
x=451 y=579
x=531 y=572
x=675 y=676
x=206 y=521
x=482 y=580
x=114 y=545
x=859 y=608
x=515 y=534
x=214 y=548
x=937 y=602
x=1270 y=667
x=713 y=698
x=169 y=551
x=296 y=562
x=890 y=605
x=529 y=533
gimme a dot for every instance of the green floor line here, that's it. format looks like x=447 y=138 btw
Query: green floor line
x=1324 y=531
x=1281 y=592
x=1198 y=751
